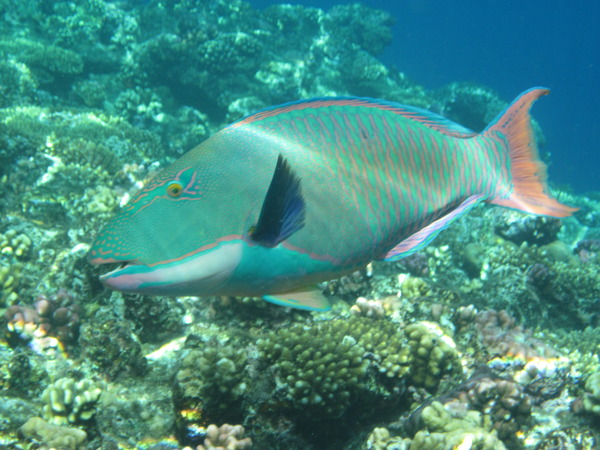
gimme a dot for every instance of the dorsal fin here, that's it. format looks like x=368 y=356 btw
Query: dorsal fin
x=427 y=118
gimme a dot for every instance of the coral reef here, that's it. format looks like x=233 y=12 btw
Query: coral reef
x=98 y=96
x=111 y=345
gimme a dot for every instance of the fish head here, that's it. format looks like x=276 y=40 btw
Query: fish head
x=180 y=235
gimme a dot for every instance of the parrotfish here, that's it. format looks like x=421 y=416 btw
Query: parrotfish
x=305 y=192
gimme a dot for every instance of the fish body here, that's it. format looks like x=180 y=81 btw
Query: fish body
x=309 y=191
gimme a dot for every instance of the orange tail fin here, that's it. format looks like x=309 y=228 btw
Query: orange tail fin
x=528 y=174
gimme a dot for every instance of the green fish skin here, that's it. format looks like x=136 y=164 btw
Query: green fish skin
x=309 y=191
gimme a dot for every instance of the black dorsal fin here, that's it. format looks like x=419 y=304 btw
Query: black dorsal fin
x=283 y=210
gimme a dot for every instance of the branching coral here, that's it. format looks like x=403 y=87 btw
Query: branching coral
x=70 y=401
x=434 y=354
x=225 y=437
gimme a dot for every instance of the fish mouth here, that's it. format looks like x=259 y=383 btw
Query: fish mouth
x=113 y=268
x=198 y=274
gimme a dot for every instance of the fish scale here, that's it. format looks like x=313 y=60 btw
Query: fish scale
x=308 y=191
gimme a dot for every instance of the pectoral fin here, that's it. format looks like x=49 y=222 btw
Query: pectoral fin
x=309 y=298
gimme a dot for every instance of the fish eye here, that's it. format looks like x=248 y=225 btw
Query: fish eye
x=174 y=189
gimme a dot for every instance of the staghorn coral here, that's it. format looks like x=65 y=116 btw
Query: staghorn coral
x=70 y=401
x=225 y=437
x=44 y=435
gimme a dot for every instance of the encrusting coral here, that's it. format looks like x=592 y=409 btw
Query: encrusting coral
x=459 y=429
x=44 y=435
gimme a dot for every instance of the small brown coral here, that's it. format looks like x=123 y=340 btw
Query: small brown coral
x=42 y=433
x=225 y=437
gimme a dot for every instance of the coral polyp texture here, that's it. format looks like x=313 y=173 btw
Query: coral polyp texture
x=486 y=338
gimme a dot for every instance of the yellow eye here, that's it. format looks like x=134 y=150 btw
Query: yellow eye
x=174 y=189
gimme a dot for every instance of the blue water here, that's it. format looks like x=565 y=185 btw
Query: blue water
x=510 y=46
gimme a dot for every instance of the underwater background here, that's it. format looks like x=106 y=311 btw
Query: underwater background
x=487 y=338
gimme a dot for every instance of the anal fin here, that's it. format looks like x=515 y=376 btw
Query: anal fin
x=309 y=298
x=425 y=235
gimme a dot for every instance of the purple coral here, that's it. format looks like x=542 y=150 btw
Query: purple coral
x=531 y=229
x=56 y=316
x=587 y=249
x=540 y=277
x=416 y=264
x=502 y=336
x=503 y=400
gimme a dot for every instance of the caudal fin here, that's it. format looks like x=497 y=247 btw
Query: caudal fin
x=528 y=190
